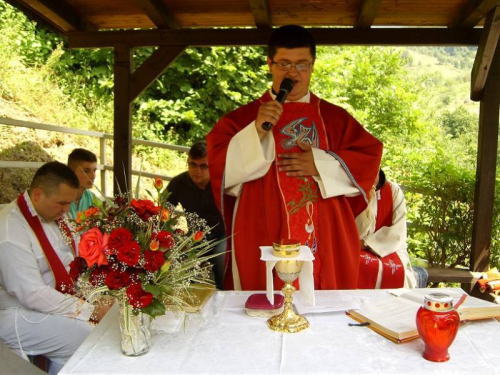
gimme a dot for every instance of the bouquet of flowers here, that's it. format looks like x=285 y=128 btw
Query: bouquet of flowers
x=139 y=251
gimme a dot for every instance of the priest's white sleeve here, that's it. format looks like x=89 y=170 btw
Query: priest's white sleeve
x=248 y=158
x=333 y=179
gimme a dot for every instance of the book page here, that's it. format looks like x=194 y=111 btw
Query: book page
x=393 y=315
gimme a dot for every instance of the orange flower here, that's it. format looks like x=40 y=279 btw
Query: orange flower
x=80 y=216
x=92 y=247
x=154 y=245
x=198 y=236
x=164 y=215
x=91 y=211
x=158 y=183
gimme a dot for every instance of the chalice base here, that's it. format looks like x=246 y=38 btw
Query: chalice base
x=288 y=322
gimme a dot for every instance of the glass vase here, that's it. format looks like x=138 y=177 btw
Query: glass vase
x=437 y=324
x=135 y=334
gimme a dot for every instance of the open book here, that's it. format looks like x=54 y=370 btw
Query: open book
x=394 y=317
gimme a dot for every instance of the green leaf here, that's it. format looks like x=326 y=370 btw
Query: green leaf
x=155 y=308
x=153 y=289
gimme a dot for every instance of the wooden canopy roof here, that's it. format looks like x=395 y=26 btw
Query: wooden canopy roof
x=86 y=15
x=441 y=22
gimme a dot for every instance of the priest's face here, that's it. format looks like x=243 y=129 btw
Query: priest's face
x=198 y=171
x=296 y=64
x=52 y=205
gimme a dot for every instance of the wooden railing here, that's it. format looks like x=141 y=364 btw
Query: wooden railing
x=103 y=137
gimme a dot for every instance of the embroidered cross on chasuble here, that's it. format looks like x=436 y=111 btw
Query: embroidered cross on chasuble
x=300 y=122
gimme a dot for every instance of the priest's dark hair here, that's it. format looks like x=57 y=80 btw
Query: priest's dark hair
x=198 y=150
x=51 y=175
x=290 y=36
x=79 y=155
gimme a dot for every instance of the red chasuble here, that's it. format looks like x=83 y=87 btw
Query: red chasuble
x=271 y=208
x=393 y=270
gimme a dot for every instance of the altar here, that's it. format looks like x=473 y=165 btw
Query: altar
x=222 y=339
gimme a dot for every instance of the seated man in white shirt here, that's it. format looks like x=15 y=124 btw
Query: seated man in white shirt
x=38 y=314
x=384 y=260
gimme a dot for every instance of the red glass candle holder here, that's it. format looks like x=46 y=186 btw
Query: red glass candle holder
x=437 y=324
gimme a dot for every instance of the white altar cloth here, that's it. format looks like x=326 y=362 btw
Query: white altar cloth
x=224 y=340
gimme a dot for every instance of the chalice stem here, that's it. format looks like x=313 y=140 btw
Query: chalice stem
x=288 y=321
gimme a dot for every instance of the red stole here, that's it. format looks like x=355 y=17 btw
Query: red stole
x=300 y=122
x=393 y=270
x=63 y=281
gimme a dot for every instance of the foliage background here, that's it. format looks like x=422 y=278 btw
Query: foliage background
x=416 y=100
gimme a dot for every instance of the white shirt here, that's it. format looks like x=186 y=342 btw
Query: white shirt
x=26 y=279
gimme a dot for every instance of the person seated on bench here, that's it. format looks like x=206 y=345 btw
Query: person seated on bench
x=84 y=164
x=384 y=262
x=38 y=313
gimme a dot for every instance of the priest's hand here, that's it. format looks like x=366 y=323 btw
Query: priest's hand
x=298 y=163
x=268 y=112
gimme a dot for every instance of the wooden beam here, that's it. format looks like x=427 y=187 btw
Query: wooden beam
x=158 y=13
x=61 y=14
x=486 y=168
x=35 y=17
x=122 y=155
x=367 y=13
x=485 y=52
x=261 y=13
x=152 y=68
x=255 y=37
x=473 y=12
x=452 y=275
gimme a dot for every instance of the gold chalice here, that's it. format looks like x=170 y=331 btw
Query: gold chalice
x=288 y=270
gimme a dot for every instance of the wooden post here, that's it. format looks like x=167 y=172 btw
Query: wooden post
x=122 y=155
x=486 y=168
x=102 y=156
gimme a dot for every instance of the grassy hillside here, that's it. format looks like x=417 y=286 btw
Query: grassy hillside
x=446 y=71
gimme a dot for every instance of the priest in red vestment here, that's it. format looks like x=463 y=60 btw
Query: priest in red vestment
x=290 y=182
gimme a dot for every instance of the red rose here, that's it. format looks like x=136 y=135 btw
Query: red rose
x=154 y=260
x=117 y=239
x=92 y=245
x=138 y=297
x=165 y=238
x=117 y=280
x=76 y=267
x=129 y=253
x=144 y=208
x=98 y=276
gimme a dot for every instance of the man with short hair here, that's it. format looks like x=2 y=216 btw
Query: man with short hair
x=194 y=191
x=290 y=182
x=38 y=314
x=84 y=164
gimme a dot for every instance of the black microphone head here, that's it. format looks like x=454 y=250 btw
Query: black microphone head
x=286 y=85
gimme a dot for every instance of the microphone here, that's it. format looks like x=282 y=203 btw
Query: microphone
x=285 y=88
